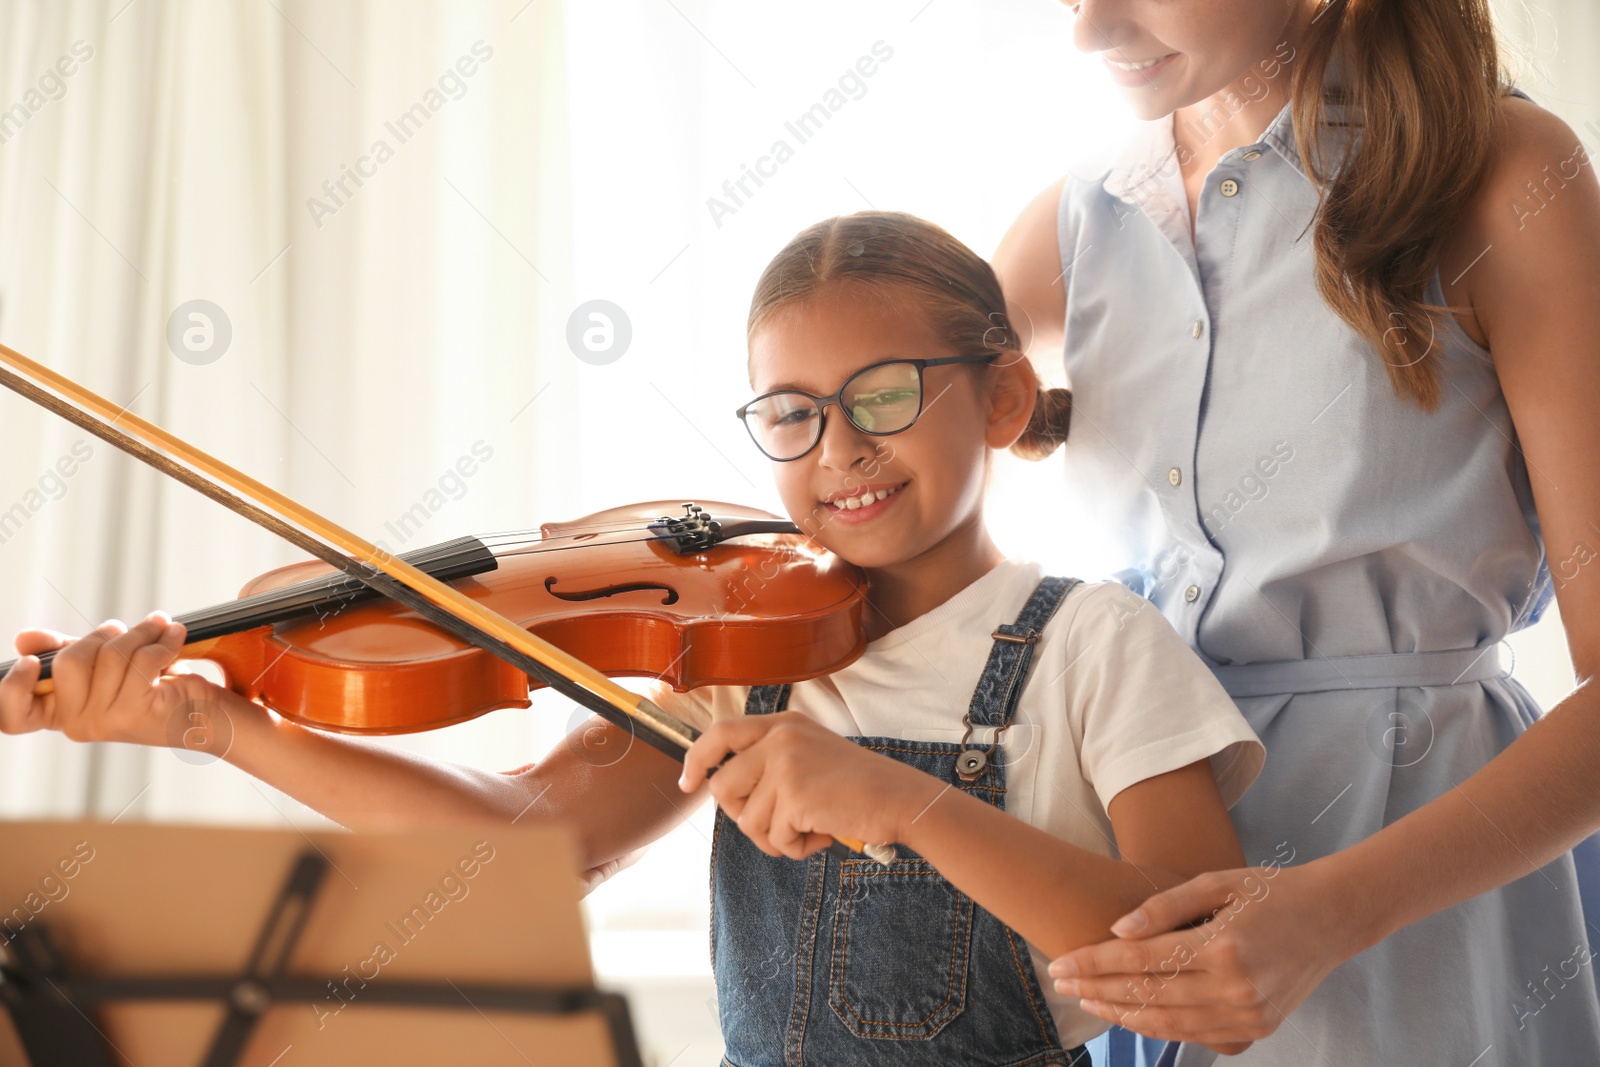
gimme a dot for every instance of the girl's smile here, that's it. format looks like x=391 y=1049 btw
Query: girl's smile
x=863 y=503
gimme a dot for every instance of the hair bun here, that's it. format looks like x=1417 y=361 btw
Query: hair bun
x=1047 y=429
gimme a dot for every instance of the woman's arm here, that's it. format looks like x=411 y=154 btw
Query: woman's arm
x=1028 y=263
x=618 y=794
x=1529 y=262
x=794 y=783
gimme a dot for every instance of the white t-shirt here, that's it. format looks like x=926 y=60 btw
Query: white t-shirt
x=1114 y=697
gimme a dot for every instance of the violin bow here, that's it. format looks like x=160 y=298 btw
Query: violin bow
x=439 y=603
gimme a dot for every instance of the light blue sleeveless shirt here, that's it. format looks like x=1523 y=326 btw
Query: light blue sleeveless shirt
x=1242 y=460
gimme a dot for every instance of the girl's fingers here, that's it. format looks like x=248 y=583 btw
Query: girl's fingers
x=813 y=843
x=73 y=668
x=789 y=839
x=33 y=642
x=20 y=711
x=735 y=781
x=149 y=661
x=716 y=744
x=755 y=819
x=113 y=664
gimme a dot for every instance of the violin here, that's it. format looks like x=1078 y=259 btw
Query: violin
x=718 y=595
x=393 y=672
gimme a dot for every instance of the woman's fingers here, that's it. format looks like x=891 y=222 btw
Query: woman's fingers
x=1121 y=961
x=1184 y=987
x=1196 y=1025
x=1195 y=899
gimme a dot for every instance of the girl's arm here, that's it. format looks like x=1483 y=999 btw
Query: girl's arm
x=794 y=783
x=617 y=794
x=1060 y=896
x=1529 y=263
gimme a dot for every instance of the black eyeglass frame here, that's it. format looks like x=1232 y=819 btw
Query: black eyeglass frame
x=836 y=398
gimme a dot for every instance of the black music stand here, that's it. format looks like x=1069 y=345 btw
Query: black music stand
x=82 y=987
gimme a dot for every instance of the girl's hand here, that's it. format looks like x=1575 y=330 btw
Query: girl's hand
x=1275 y=934
x=109 y=686
x=794 y=784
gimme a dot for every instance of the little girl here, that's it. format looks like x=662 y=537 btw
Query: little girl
x=1044 y=753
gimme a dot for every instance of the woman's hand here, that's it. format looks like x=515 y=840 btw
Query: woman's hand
x=109 y=686
x=1271 y=935
x=793 y=784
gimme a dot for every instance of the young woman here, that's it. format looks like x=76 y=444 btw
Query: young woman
x=1330 y=327
x=1045 y=753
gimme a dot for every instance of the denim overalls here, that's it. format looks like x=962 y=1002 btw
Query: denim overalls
x=822 y=962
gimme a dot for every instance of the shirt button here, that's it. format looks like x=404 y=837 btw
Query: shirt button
x=1229 y=187
x=1197 y=329
x=1174 y=476
x=1251 y=156
x=1192 y=593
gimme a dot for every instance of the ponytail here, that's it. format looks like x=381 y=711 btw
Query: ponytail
x=1047 y=429
x=1423 y=80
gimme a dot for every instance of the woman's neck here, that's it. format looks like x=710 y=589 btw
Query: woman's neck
x=898 y=593
x=1240 y=113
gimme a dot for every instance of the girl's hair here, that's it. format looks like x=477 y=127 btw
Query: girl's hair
x=1424 y=81
x=895 y=256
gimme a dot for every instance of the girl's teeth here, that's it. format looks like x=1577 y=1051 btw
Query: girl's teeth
x=852 y=503
x=1136 y=66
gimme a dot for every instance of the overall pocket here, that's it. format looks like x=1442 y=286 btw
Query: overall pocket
x=902 y=938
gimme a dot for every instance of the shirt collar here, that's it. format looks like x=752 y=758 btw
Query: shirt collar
x=1150 y=159
x=1146 y=164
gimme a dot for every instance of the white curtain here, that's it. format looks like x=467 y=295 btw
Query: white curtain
x=382 y=327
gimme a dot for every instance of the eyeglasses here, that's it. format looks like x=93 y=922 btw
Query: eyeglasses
x=883 y=399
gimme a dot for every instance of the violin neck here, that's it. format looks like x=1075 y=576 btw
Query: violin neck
x=321 y=597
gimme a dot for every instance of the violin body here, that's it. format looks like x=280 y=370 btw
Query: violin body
x=763 y=608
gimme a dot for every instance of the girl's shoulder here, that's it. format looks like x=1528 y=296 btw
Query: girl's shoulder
x=1106 y=610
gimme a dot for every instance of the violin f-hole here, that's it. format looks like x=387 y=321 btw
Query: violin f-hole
x=612 y=590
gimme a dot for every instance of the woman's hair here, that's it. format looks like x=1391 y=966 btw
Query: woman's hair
x=1423 y=80
x=896 y=257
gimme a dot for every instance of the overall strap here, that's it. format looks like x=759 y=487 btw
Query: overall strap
x=766 y=699
x=1000 y=687
x=995 y=699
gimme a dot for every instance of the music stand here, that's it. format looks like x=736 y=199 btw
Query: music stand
x=161 y=944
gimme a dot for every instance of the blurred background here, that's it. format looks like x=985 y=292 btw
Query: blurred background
x=345 y=245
